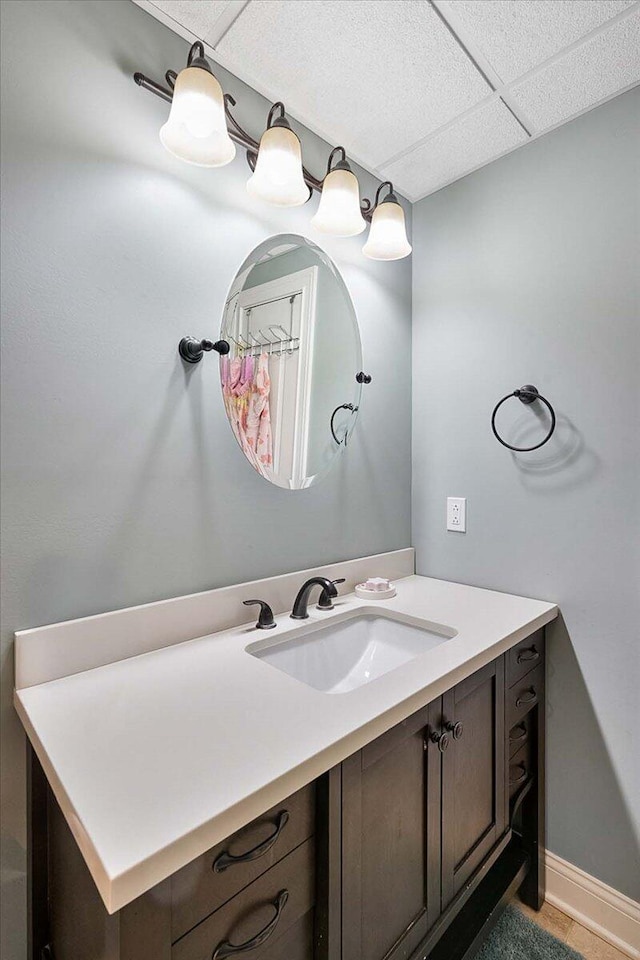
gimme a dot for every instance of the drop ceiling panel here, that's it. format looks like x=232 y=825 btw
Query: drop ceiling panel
x=603 y=66
x=374 y=75
x=206 y=19
x=481 y=136
x=517 y=35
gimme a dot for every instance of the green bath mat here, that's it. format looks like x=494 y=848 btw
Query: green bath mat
x=515 y=937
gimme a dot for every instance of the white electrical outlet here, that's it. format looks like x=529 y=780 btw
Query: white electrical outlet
x=457 y=514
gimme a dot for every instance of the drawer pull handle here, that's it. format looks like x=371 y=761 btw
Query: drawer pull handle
x=529 y=654
x=523 y=775
x=227 y=859
x=226 y=949
x=521 y=736
x=528 y=699
x=455 y=729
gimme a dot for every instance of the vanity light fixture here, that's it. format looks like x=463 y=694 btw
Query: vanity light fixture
x=388 y=233
x=196 y=130
x=339 y=212
x=201 y=129
x=277 y=176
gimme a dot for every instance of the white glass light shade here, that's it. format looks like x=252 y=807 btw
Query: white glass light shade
x=339 y=211
x=196 y=130
x=277 y=177
x=388 y=234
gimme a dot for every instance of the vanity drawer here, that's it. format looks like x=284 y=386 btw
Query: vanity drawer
x=272 y=917
x=208 y=882
x=524 y=695
x=524 y=657
x=519 y=735
x=520 y=769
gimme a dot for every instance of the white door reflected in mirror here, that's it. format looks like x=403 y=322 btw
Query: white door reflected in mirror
x=289 y=381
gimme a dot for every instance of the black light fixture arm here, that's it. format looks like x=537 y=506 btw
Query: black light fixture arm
x=391 y=194
x=240 y=136
x=272 y=120
x=196 y=52
x=147 y=84
x=343 y=159
x=237 y=133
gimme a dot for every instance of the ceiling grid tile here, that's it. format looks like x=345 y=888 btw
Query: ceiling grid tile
x=517 y=35
x=603 y=66
x=208 y=20
x=482 y=136
x=391 y=71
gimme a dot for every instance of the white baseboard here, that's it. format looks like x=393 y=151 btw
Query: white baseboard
x=601 y=909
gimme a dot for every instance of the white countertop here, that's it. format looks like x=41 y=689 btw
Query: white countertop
x=157 y=757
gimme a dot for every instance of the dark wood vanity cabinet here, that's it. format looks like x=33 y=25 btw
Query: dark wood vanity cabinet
x=473 y=774
x=253 y=893
x=405 y=851
x=210 y=881
x=391 y=841
x=422 y=808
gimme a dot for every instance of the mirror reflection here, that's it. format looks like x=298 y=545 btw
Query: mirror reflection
x=289 y=381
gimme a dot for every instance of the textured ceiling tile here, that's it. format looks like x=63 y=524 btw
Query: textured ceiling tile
x=374 y=75
x=516 y=35
x=480 y=137
x=198 y=16
x=597 y=69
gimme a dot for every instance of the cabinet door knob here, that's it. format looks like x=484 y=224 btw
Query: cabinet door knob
x=442 y=739
x=456 y=728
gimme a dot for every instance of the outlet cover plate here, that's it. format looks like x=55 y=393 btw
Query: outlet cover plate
x=457 y=514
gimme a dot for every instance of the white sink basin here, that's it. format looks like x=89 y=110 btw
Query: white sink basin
x=343 y=656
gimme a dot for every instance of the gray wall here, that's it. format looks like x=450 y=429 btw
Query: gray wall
x=122 y=481
x=527 y=272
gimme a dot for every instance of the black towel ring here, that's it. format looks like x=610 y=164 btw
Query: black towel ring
x=342 y=406
x=526 y=394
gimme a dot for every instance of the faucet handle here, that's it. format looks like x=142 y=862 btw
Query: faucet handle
x=265 y=617
x=326 y=601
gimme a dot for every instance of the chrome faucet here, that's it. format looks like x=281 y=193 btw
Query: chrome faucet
x=329 y=591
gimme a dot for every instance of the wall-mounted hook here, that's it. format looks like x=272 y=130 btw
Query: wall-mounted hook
x=192 y=350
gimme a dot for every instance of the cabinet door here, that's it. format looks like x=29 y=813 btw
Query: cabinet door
x=473 y=775
x=391 y=842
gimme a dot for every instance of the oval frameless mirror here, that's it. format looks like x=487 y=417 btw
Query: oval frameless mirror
x=289 y=381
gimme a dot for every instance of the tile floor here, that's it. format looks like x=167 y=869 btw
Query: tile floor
x=573 y=934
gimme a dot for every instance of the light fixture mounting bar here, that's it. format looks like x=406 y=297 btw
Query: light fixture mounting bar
x=153 y=87
x=239 y=135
